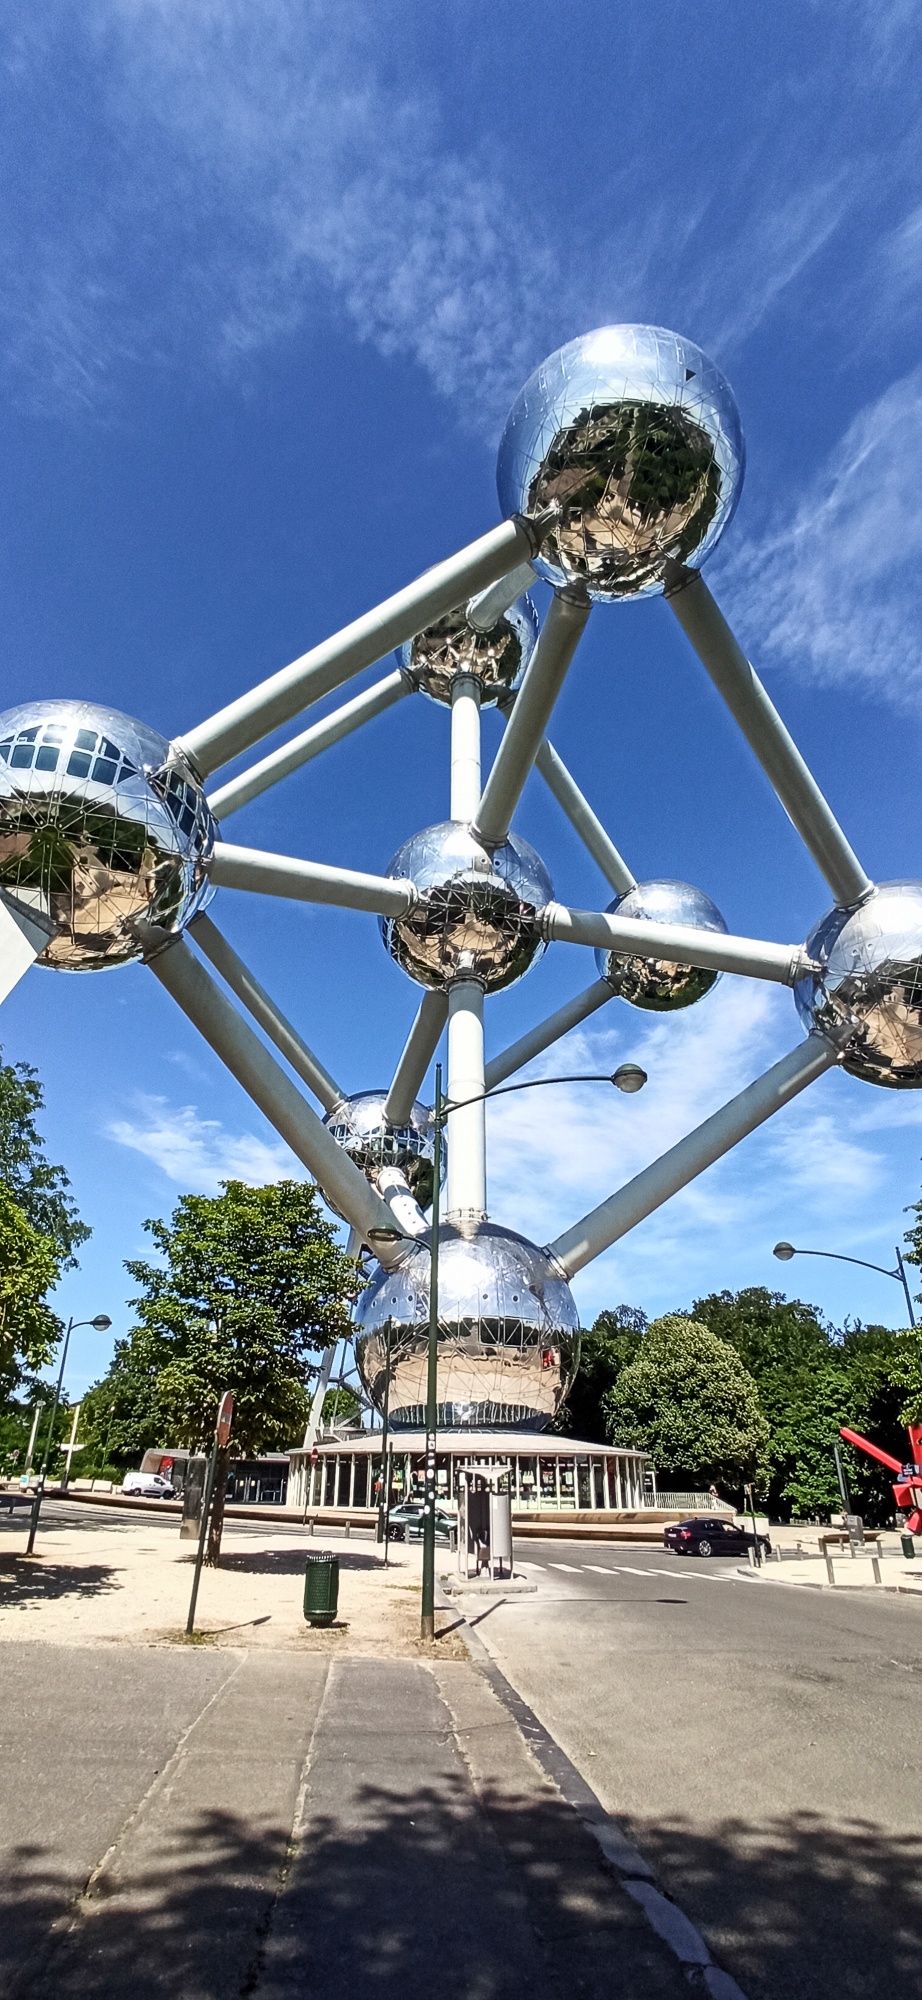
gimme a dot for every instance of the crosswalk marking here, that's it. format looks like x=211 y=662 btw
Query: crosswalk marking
x=568 y=1566
x=598 y=1569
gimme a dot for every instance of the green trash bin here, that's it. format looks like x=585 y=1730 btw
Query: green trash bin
x=908 y=1547
x=321 y=1589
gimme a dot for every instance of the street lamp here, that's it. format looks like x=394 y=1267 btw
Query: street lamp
x=785 y=1251
x=629 y=1078
x=102 y=1324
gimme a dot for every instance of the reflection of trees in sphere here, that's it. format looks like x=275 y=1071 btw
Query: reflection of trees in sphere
x=508 y=1333
x=636 y=435
x=871 y=984
x=498 y=657
x=358 y=1125
x=97 y=830
x=477 y=913
x=657 y=983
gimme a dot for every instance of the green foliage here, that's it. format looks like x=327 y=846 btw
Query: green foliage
x=605 y=1349
x=341 y=1406
x=811 y=1380
x=687 y=1399
x=16 y=1419
x=251 y=1281
x=39 y=1231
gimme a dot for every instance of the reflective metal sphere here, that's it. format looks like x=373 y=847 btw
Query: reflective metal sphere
x=508 y=1333
x=869 y=994
x=358 y=1125
x=97 y=830
x=477 y=914
x=637 y=435
x=658 y=984
x=498 y=657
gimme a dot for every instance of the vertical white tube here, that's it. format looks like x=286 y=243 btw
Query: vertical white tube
x=465 y=747
x=466 y=1199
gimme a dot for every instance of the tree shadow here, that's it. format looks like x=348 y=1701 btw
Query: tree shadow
x=27 y=1580
x=801 y=1905
x=289 y=1562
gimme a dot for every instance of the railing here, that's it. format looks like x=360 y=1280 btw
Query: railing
x=694 y=1503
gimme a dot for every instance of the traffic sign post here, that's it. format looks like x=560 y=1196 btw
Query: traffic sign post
x=221 y=1438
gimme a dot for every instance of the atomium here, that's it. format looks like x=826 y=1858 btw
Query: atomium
x=98 y=830
x=868 y=995
x=477 y=911
x=358 y=1124
x=636 y=436
x=497 y=658
x=656 y=984
x=508 y=1333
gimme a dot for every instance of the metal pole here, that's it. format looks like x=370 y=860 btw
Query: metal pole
x=276 y=700
x=427 y=1621
x=546 y=1033
x=203 y=1534
x=683 y=943
x=32 y=1436
x=581 y=816
x=465 y=747
x=307 y=881
x=704 y=624
x=321 y=736
x=843 y=1483
x=39 y=1491
x=698 y=1150
x=256 y=1000
x=486 y=609
x=904 y=1281
x=69 y=1449
x=466 y=1191
x=384 y=1502
x=421 y=1045
x=544 y=678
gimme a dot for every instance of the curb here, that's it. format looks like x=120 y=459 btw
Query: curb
x=618 y=1852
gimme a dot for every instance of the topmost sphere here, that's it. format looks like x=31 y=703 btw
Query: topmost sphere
x=637 y=435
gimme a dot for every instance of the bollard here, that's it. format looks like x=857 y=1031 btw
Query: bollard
x=347 y=1529
x=875 y=1569
x=830 y=1572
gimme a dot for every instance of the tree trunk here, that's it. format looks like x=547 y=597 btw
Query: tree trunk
x=213 y=1552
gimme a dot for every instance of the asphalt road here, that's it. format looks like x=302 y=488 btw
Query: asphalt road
x=763 y=1742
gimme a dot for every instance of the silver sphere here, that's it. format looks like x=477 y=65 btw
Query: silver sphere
x=98 y=830
x=358 y=1125
x=636 y=435
x=498 y=658
x=658 y=984
x=508 y=1333
x=477 y=914
x=868 y=996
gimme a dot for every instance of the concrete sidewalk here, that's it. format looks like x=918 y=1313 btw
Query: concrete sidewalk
x=205 y=1825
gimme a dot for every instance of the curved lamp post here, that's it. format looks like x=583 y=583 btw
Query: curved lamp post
x=785 y=1251
x=102 y=1324
x=629 y=1078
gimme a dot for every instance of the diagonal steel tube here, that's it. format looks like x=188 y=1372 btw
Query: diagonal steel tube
x=705 y=625
x=242 y=1052
x=24 y=933
x=683 y=944
x=257 y=1002
x=421 y=1045
x=718 y=1135
x=547 y=1032
x=581 y=816
x=276 y=700
x=307 y=881
x=544 y=677
x=487 y=608
x=321 y=736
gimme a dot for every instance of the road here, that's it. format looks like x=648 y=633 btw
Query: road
x=763 y=1741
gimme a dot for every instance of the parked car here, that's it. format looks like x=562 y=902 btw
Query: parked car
x=712 y=1537
x=148 y=1485
x=406 y=1523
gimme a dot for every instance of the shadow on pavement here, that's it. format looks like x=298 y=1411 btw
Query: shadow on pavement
x=34 y=1580
x=798 y=1906
x=289 y=1562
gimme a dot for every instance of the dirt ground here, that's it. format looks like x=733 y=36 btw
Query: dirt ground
x=98 y=1580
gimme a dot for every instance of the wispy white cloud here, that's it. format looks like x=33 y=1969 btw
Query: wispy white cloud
x=833 y=592
x=198 y=1153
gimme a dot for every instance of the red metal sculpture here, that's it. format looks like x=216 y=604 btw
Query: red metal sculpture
x=907 y=1488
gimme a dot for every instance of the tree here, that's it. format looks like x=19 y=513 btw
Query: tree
x=605 y=1348
x=39 y=1231
x=250 y=1283
x=687 y=1399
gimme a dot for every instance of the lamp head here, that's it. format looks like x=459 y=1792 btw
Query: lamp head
x=629 y=1077
x=784 y=1251
x=102 y=1322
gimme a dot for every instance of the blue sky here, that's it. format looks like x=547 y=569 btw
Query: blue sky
x=272 y=276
